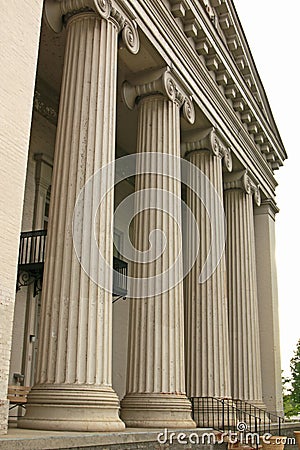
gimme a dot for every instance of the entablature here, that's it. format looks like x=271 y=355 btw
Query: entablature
x=219 y=90
x=216 y=39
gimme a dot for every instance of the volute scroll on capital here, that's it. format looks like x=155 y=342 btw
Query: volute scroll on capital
x=242 y=180
x=162 y=82
x=130 y=36
x=207 y=140
x=56 y=11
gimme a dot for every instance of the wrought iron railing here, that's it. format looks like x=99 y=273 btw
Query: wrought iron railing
x=32 y=248
x=227 y=414
x=120 y=278
x=31 y=259
x=269 y=421
x=31 y=264
x=221 y=415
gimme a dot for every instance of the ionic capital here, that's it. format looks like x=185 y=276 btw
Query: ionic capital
x=162 y=82
x=57 y=10
x=242 y=180
x=197 y=141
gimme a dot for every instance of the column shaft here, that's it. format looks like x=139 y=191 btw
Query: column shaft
x=242 y=297
x=156 y=383
x=73 y=380
x=264 y=223
x=206 y=311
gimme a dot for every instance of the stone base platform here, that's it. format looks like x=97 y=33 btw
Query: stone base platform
x=129 y=439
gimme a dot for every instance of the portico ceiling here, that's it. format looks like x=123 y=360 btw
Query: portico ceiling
x=49 y=75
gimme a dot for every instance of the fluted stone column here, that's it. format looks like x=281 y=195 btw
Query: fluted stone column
x=73 y=388
x=264 y=224
x=242 y=288
x=155 y=394
x=206 y=310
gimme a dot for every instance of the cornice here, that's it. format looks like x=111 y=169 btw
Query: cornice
x=250 y=67
x=162 y=82
x=242 y=180
x=197 y=141
x=238 y=88
x=206 y=93
x=222 y=17
x=232 y=75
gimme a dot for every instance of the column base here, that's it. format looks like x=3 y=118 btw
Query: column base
x=157 y=411
x=72 y=408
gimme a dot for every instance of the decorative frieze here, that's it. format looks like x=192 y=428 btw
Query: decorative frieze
x=43 y=108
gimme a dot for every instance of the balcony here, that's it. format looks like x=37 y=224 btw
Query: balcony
x=120 y=278
x=31 y=260
x=31 y=264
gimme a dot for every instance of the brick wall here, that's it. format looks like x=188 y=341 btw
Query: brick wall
x=20 y=28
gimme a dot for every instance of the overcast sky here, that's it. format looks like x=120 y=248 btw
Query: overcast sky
x=272 y=31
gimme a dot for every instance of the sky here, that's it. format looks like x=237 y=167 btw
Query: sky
x=271 y=28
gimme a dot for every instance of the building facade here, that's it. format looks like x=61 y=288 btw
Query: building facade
x=120 y=119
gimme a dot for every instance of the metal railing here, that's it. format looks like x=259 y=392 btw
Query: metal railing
x=119 y=278
x=31 y=260
x=221 y=415
x=31 y=264
x=227 y=414
x=32 y=248
x=269 y=421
